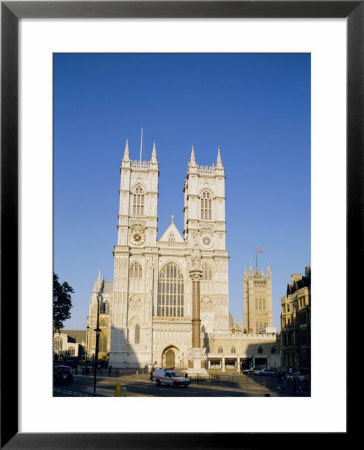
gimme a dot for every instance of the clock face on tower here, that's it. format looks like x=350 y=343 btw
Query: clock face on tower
x=137 y=236
x=206 y=241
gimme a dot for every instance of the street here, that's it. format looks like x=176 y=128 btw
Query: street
x=139 y=385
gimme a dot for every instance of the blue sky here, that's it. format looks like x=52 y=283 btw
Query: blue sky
x=256 y=107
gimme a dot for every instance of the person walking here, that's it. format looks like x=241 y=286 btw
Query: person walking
x=284 y=383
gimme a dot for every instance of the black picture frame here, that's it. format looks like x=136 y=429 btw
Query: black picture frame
x=11 y=12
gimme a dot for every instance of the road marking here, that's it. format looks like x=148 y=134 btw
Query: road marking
x=64 y=391
x=137 y=386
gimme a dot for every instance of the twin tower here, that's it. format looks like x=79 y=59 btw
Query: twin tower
x=152 y=289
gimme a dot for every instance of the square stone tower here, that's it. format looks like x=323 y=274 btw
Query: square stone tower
x=258 y=309
x=205 y=228
x=135 y=256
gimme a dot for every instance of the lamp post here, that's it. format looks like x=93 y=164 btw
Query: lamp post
x=97 y=330
x=87 y=342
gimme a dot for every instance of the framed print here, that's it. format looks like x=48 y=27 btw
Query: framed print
x=122 y=44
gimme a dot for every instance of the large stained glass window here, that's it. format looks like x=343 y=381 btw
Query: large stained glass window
x=170 y=292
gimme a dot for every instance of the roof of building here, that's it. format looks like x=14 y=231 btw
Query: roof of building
x=78 y=335
x=297 y=284
x=108 y=287
x=171 y=230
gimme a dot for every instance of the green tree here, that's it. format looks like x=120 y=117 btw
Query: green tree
x=62 y=303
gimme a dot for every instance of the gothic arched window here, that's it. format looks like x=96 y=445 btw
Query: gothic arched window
x=71 y=351
x=170 y=292
x=220 y=350
x=260 y=349
x=103 y=342
x=137 y=334
x=206 y=272
x=104 y=308
x=274 y=350
x=138 y=201
x=206 y=205
x=136 y=270
x=233 y=350
x=58 y=343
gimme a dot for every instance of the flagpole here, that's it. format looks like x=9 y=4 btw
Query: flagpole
x=256 y=257
x=141 y=145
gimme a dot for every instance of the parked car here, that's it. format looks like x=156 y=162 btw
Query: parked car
x=170 y=377
x=268 y=372
x=251 y=371
x=62 y=374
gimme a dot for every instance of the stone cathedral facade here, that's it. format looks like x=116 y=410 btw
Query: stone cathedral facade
x=145 y=313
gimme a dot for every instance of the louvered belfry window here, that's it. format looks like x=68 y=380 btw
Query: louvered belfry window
x=170 y=292
x=206 y=211
x=138 y=201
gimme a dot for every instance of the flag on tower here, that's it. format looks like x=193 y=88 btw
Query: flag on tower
x=256 y=257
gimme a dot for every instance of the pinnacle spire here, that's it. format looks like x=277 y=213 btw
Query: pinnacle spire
x=172 y=218
x=98 y=282
x=154 y=154
x=126 y=156
x=219 y=162
x=193 y=159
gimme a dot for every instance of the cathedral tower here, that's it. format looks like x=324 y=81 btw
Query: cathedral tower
x=204 y=228
x=135 y=257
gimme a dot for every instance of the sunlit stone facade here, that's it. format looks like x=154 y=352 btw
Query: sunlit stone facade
x=148 y=306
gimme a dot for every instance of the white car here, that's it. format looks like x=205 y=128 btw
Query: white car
x=170 y=377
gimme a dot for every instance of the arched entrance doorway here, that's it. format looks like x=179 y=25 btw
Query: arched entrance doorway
x=171 y=357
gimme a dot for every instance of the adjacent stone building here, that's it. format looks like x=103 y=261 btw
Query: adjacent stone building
x=69 y=343
x=145 y=313
x=296 y=323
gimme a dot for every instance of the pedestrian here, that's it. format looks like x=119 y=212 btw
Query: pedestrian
x=110 y=367
x=284 y=383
